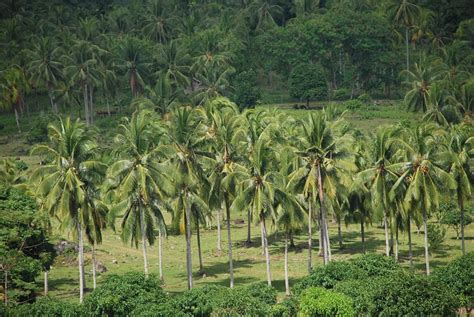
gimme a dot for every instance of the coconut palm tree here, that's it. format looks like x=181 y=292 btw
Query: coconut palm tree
x=45 y=66
x=425 y=178
x=162 y=97
x=174 y=64
x=62 y=181
x=13 y=86
x=157 y=22
x=258 y=192
x=137 y=182
x=214 y=83
x=458 y=156
x=263 y=13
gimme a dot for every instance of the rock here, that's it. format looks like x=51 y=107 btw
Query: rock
x=114 y=261
x=65 y=246
x=100 y=267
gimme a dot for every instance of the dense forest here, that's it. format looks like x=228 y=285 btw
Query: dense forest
x=151 y=121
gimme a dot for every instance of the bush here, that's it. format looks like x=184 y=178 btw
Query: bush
x=327 y=276
x=365 y=98
x=307 y=82
x=238 y=302
x=340 y=94
x=317 y=301
x=451 y=215
x=46 y=307
x=158 y=310
x=287 y=308
x=436 y=236
x=353 y=104
x=121 y=294
x=39 y=130
x=362 y=293
x=247 y=92
x=459 y=277
x=198 y=301
x=374 y=264
x=262 y=292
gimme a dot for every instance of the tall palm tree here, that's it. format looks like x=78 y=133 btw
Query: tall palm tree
x=137 y=182
x=458 y=156
x=45 y=66
x=13 y=86
x=162 y=97
x=424 y=176
x=214 y=83
x=157 y=22
x=225 y=130
x=258 y=191
x=380 y=175
x=263 y=13
x=185 y=129
x=174 y=64
x=405 y=13
x=62 y=181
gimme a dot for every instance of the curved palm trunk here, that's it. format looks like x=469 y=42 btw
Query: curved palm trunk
x=362 y=234
x=145 y=255
x=310 y=236
x=17 y=119
x=229 y=241
x=427 y=255
x=328 y=241
x=267 y=254
x=219 y=234
x=94 y=274
x=410 y=246
x=160 y=254
x=198 y=236
x=189 y=267
x=81 y=262
x=461 y=208
x=45 y=282
x=323 y=225
x=287 y=283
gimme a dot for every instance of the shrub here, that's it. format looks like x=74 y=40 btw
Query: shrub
x=436 y=235
x=376 y=264
x=327 y=276
x=307 y=82
x=353 y=104
x=247 y=92
x=317 y=301
x=340 y=94
x=46 y=307
x=39 y=130
x=238 y=302
x=362 y=292
x=121 y=294
x=198 y=301
x=459 y=276
x=262 y=292
x=287 y=308
x=158 y=310
x=365 y=98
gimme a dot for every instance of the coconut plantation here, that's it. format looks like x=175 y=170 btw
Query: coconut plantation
x=285 y=158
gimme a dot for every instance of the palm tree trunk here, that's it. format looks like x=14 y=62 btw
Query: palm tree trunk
x=461 y=208
x=328 y=242
x=198 y=236
x=86 y=106
x=267 y=254
x=249 y=221
x=310 y=236
x=292 y=240
x=108 y=107
x=427 y=256
x=189 y=266
x=407 y=50
x=323 y=225
x=229 y=240
x=17 y=118
x=94 y=274
x=54 y=106
x=339 y=233
x=410 y=247
x=287 y=284
x=362 y=234
x=91 y=105
x=160 y=254
x=81 y=262
x=5 y=287
x=145 y=255
x=385 y=225
x=263 y=238
x=396 y=243
x=219 y=234
x=45 y=282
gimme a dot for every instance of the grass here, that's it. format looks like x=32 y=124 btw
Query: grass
x=249 y=263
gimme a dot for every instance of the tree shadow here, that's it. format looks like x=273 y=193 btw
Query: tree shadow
x=220 y=268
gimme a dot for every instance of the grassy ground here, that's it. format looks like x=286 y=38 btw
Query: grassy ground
x=249 y=263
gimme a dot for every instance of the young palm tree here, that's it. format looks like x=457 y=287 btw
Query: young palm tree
x=174 y=64
x=214 y=83
x=137 y=182
x=458 y=156
x=258 y=192
x=424 y=176
x=62 y=181
x=13 y=86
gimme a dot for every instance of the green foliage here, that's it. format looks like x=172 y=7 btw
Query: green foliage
x=365 y=98
x=38 y=132
x=121 y=294
x=459 y=276
x=47 y=307
x=436 y=235
x=198 y=301
x=340 y=94
x=307 y=82
x=286 y=308
x=246 y=90
x=374 y=264
x=353 y=104
x=451 y=215
x=159 y=310
x=317 y=301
